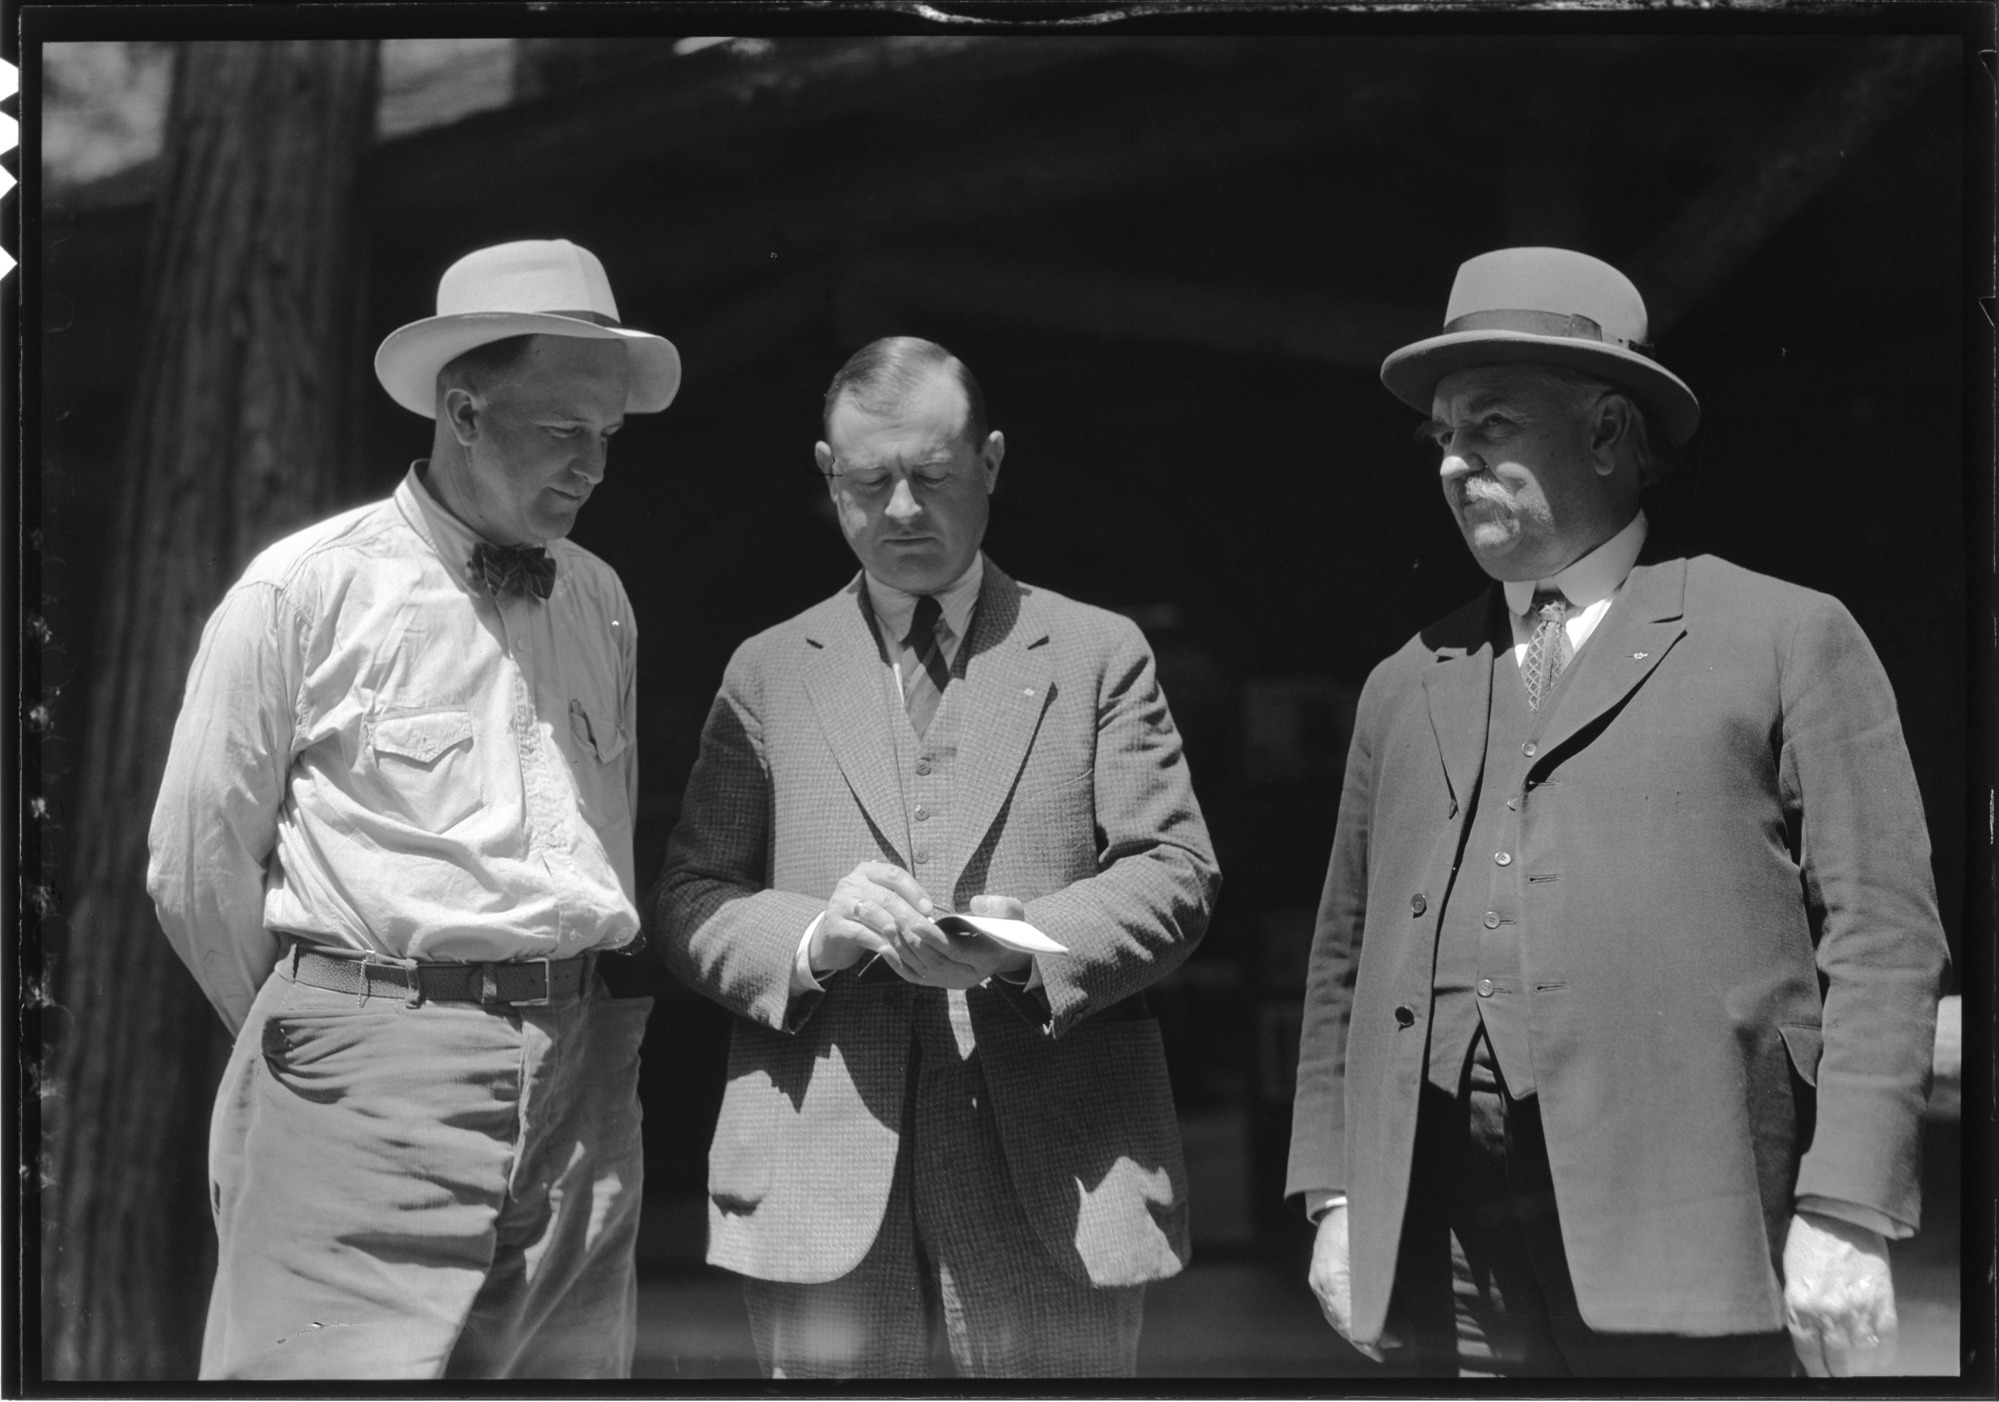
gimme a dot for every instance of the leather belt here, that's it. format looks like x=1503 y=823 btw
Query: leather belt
x=526 y=983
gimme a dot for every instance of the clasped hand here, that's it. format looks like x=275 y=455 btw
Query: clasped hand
x=880 y=910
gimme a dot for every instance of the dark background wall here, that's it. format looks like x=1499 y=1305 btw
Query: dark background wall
x=1175 y=263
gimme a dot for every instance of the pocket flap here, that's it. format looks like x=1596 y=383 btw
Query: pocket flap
x=601 y=737
x=1804 y=1044
x=424 y=736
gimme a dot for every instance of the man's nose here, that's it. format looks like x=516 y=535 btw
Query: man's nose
x=902 y=501
x=1457 y=464
x=589 y=464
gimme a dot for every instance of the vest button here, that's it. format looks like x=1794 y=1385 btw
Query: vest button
x=1503 y=858
x=1418 y=904
x=1528 y=749
x=922 y=855
x=1485 y=988
x=923 y=766
x=1492 y=920
x=1513 y=805
x=1405 y=1016
x=921 y=813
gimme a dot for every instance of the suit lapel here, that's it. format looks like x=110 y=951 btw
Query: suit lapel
x=1644 y=622
x=844 y=679
x=1000 y=692
x=1458 y=688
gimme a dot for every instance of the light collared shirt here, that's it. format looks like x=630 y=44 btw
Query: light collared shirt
x=894 y=610
x=376 y=757
x=1591 y=585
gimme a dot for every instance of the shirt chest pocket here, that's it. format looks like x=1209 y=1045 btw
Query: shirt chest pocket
x=596 y=732
x=425 y=767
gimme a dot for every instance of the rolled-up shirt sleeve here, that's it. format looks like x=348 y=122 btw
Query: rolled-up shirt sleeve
x=215 y=823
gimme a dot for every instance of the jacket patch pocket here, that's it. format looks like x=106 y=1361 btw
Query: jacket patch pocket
x=424 y=766
x=595 y=734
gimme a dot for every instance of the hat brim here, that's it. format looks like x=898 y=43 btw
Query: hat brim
x=409 y=358
x=1412 y=373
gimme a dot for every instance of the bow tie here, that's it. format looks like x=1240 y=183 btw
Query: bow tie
x=501 y=570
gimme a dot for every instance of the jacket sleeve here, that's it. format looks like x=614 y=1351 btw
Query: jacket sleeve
x=215 y=822
x=1147 y=906
x=1850 y=793
x=721 y=928
x=1318 y=1110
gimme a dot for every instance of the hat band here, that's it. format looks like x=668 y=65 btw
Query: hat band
x=597 y=317
x=1570 y=325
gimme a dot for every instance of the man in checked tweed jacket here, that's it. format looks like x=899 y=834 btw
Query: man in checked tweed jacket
x=923 y=1129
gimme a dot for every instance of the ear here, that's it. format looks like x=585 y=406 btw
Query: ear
x=992 y=454
x=461 y=410
x=822 y=454
x=1610 y=427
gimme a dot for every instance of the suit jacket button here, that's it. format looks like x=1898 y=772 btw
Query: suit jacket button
x=923 y=766
x=1418 y=904
x=1528 y=749
x=1485 y=988
x=1405 y=1016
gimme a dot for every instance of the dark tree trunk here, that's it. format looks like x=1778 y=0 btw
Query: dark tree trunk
x=237 y=435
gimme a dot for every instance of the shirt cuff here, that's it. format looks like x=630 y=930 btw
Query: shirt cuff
x=1033 y=979
x=1320 y=1201
x=1854 y=1213
x=802 y=979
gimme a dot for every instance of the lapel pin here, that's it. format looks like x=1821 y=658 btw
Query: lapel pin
x=1640 y=656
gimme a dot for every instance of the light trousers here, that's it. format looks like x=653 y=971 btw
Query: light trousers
x=436 y=1190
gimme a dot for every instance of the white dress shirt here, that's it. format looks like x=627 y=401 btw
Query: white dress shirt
x=375 y=756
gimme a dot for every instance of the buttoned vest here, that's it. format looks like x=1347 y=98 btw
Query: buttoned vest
x=1478 y=980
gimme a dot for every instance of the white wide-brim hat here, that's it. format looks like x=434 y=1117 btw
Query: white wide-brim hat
x=1553 y=306
x=535 y=287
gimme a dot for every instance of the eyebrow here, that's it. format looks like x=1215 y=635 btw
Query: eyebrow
x=1494 y=399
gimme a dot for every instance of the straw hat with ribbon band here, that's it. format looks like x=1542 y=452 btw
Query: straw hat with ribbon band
x=547 y=287
x=1552 y=306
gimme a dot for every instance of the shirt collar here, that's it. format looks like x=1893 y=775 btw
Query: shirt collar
x=894 y=608
x=1590 y=580
x=450 y=537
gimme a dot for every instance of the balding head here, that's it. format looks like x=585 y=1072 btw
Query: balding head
x=879 y=378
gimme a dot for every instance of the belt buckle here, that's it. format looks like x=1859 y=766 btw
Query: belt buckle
x=547 y=984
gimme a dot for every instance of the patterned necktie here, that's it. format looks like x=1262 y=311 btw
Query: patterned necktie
x=501 y=570
x=924 y=671
x=1549 y=649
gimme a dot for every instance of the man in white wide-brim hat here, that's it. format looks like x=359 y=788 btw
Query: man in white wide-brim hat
x=1618 y=1024
x=393 y=839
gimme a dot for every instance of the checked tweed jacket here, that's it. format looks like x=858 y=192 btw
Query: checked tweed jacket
x=1070 y=793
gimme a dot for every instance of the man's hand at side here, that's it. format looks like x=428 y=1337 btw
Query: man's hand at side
x=1330 y=1281
x=1839 y=1298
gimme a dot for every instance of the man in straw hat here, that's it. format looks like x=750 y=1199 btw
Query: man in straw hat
x=1617 y=1031
x=393 y=838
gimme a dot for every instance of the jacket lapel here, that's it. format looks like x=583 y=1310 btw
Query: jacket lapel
x=1644 y=622
x=844 y=679
x=1458 y=688
x=1000 y=692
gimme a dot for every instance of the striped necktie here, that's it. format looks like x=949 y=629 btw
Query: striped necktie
x=1549 y=649
x=924 y=671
